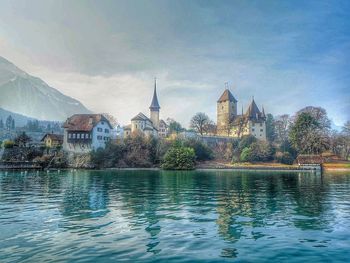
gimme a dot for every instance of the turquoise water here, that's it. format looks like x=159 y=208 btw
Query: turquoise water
x=157 y=216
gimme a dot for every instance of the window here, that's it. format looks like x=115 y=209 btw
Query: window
x=136 y=126
x=102 y=123
x=74 y=135
x=260 y=124
x=261 y=130
x=106 y=131
x=99 y=129
x=90 y=136
x=69 y=135
x=99 y=137
x=253 y=129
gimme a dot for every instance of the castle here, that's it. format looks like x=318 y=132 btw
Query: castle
x=148 y=126
x=231 y=124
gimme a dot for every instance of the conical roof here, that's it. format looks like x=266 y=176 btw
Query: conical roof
x=154 y=103
x=227 y=96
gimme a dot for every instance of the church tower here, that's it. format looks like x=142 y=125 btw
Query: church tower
x=154 y=108
x=226 y=112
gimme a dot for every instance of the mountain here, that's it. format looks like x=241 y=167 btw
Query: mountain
x=31 y=96
x=20 y=120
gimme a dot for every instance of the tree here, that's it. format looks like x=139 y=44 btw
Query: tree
x=9 y=122
x=281 y=125
x=346 y=128
x=1 y=124
x=203 y=152
x=174 y=126
x=22 y=140
x=319 y=114
x=270 y=128
x=179 y=158
x=200 y=122
x=246 y=141
x=307 y=135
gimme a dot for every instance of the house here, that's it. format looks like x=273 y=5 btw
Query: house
x=231 y=124
x=163 y=130
x=52 y=140
x=86 y=132
x=148 y=125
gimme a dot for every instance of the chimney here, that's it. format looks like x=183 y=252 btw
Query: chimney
x=90 y=120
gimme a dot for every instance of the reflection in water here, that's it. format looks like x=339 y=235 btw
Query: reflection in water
x=157 y=215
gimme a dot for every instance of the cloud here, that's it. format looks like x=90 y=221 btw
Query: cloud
x=106 y=53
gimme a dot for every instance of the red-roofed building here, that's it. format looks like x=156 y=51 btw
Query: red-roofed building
x=86 y=132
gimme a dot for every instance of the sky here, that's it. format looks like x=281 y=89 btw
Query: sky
x=287 y=54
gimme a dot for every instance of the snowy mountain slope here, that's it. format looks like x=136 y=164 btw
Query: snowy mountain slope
x=31 y=96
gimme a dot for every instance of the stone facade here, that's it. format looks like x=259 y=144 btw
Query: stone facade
x=231 y=124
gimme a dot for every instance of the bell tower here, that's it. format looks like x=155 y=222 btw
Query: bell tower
x=226 y=111
x=154 y=108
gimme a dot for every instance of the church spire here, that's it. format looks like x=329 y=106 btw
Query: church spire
x=154 y=104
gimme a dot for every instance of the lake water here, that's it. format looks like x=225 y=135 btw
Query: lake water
x=158 y=216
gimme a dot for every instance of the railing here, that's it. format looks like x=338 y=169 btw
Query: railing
x=18 y=165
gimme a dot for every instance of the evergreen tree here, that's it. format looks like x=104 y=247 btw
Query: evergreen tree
x=1 y=124
x=270 y=128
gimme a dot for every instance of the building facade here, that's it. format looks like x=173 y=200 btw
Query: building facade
x=148 y=126
x=86 y=132
x=52 y=140
x=231 y=124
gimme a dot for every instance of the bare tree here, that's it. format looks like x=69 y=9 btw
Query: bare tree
x=200 y=122
x=282 y=124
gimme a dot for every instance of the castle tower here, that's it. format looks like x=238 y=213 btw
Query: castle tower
x=154 y=108
x=226 y=112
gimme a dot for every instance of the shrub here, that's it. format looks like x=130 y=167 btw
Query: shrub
x=246 y=141
x=246 y=155
x=179 y=158
x=202 y=151
x=8 y=144
x=258 y=151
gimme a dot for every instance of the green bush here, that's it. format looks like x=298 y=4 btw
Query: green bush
x=179 y=158
x=202 y=151
x=246 y=155
x=258 y=151
x=245 y=142
x=8 y=144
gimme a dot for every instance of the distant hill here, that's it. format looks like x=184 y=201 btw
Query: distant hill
x=31 y=96
x=20 y=120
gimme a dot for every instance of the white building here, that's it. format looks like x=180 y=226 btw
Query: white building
x=148 y=125
x=86 y=132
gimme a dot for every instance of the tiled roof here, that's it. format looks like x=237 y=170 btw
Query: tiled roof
x=141 y=117
x=253 y=112
x=310 y=159
x=227 y=96
x=84 y=122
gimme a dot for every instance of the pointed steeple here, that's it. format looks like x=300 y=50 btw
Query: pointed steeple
x=154 y=104
x=263 y=111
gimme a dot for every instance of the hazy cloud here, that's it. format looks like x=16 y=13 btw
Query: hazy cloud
x=287 y=54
